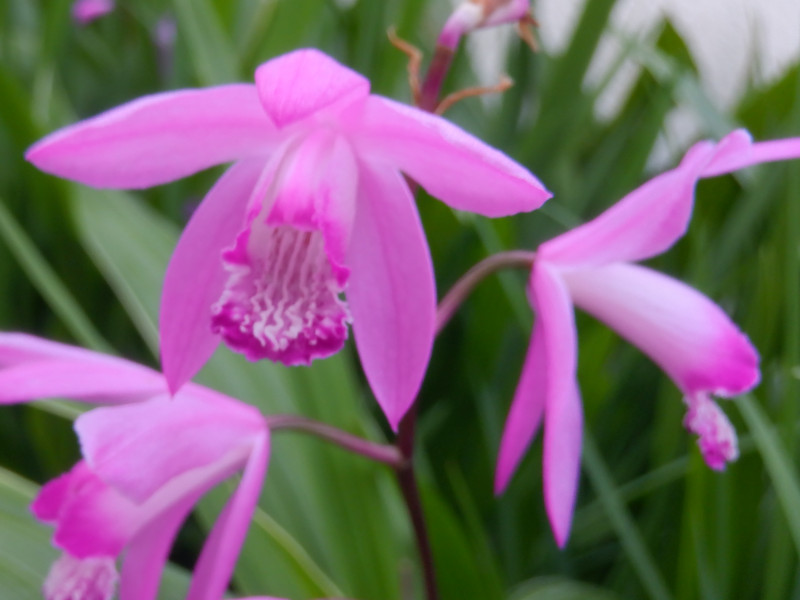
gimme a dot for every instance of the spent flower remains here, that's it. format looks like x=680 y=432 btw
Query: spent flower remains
x=314 y=228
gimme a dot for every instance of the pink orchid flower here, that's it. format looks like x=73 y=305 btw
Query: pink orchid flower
x=314 y=203
x=147 y=461
x=684 y=332
x=86 y=11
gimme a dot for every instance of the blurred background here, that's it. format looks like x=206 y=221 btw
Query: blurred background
x=618 y=91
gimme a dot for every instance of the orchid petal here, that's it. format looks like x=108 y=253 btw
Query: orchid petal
x=33 y=368
x=449 y=163
x=215 y=565
x=740 y=152
x=96 y=380
x=16 y=348
x=294 y=86
x=679 y=328
x=148 y=551
x=526 y=411
x=195 y=277
x=643 y=224
x=91 y=518
x=392 y=293
x=159 y=138
x=139 y=448
x=563 y=418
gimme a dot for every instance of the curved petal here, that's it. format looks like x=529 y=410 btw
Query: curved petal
x=392 y=293
x=96 y=381
x=138 y=448
x=526 y=411
x=148 y=551
x=448 y=162
x=218 y=558
x=684 y=332
x=16 y=348
x=91 y=518
x=294 y=86
x=159 y=138
x=563 y=414
x=32 y=368
x=643 y=224
x=738 y=151
x=195 y=276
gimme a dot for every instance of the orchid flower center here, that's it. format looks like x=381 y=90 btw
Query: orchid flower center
x=72 y=578
x=281 y=300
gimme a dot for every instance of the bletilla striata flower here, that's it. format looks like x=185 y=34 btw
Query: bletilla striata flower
x=684 y=332
x=315 y=203
x=146 y=463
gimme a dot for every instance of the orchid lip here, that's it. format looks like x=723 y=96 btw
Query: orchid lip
x=283 y=303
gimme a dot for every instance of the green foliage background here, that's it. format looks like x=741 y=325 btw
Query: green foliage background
x=85 y=266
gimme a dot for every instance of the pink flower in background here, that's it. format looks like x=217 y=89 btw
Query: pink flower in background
x=315 y=203
x=146 y=463
x=473 y=14
x=86 y=11
x=684 y=332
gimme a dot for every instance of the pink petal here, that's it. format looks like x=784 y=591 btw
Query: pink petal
x=563 y=418
x=218 y=558
x=195 y=276
x=449 y=163
x=98 y=380
x=32 y=368
x=683 y=331
x=148 y=551
x=392 y=293
x=470 y=15
x=138 y=448
x=507 y=11
x=740 y=152
x=17 y=348
x=526 y=411
x=643 y=224
x=159 y=138
x=86 y=11
x=294 y=86
x=91 y=518
x=51 y=498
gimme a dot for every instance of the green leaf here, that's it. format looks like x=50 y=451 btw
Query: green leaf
x=777 y=461
x=549 y=588
x=48 y=283
x=210 y=49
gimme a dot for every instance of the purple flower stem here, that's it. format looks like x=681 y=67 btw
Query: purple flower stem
x=434 y=78
x=382 y=453
x=429 y=101
x=520 y=259
x=408 y=486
